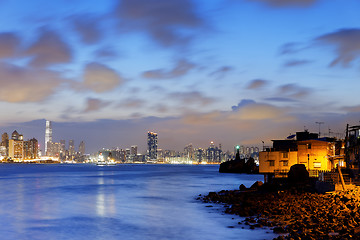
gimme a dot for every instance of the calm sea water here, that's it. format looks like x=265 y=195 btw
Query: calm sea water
x=117 y=202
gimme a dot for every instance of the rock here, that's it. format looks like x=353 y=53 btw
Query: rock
x=256 y=185
x=242 y=187
x=298 y=175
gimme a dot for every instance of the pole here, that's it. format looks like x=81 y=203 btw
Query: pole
x=319 y=127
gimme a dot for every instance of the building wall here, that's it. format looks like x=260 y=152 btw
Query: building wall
x=16 y=149
x=316 y=155
x=276 y=160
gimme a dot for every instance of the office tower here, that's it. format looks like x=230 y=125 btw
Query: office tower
x=5 y=144
x=15 y=135
x=48 y=135
x=152 y=142
x=71 y=147
x=31 y=149
x=189 y=151
x=134 y=150
x=16 y=146
x=82 y=148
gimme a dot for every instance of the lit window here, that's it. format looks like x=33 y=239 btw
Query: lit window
x=317 y=164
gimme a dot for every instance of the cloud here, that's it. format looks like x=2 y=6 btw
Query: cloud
x=94 y=104
x=191 y=98
x=293 y=91
x=295 y=63
x=9 y=44
x=221 y=72
x=243 y=103
x=49 y=49
x=257 y=83
x=181 y=68
x=100 y=78
x=132 y=103
x=87 y=28
x=169 y=23
x=291 y=48
x=346 y=43
x=258 y=111
x=352 y=109
x=280 y=99
x=106 y=53
x=286 y=3
x=19 y=84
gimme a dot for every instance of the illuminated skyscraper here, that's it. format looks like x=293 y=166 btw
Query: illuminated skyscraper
x=48 y=135
x=82 y=148
x=152 y=142
x=71 y=147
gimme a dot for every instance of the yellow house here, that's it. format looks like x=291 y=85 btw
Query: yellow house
x=270 y=161
x=316 y=154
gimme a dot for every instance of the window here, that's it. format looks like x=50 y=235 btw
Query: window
x=271 y=163
x=285 y=163
x=309 y=146
x=285 y=155
x=317 y=164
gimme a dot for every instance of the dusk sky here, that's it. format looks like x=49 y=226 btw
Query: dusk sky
x=194 y=71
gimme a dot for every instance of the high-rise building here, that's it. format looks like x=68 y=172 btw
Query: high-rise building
x=31 y=149
x=82 y=148
x=48 y=135
x=5 y=144
x=16 y=146
x=152 y=141
x=71 y=147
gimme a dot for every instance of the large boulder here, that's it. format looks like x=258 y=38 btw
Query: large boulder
x=298 y=175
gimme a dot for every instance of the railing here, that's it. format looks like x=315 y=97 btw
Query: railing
x=324 y=176
x=284 y=173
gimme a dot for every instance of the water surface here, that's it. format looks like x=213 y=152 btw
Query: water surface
x=117 y=202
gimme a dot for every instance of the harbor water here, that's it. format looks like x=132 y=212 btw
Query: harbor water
x=133 y=202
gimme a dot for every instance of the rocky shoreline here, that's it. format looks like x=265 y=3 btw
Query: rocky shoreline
x=294 y=214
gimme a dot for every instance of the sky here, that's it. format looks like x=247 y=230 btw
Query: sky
x=194 y=71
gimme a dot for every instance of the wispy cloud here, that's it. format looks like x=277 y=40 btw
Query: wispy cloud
x=168 y=23
x=295 y=63
x=95 y=104
x=20 y=84
x=181 y=68
x=87 y=27
x=257 y=83
x=49 y=49
x=287 y=3
x=100 y=78
x=9 y=44
x=346 y=43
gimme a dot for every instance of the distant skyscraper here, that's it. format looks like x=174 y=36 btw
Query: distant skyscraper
x=82 y=148
x=152 y=142
x=48 y=135
x=71 y=147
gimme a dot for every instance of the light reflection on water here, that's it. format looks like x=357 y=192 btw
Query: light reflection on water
x=117 y=202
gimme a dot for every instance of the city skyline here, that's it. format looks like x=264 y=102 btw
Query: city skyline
x=232 y=72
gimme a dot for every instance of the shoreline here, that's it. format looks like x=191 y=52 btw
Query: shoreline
x=293 y=214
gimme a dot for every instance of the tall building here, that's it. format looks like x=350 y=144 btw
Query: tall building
x=82 y=148
x=152 y=141
x=71 y=147
x=5 y=144
x=48 y=135
x=16 y=146
x=31 y=149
